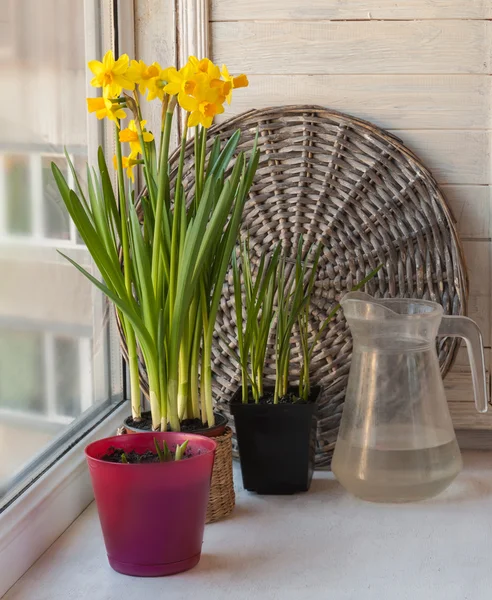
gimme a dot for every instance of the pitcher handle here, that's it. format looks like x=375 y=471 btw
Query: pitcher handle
x=467 y=329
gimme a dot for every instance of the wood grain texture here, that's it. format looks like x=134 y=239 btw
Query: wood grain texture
x=478 y=262
x=471 y=207
x=155 y=40
x=310 y=47
x=390 y=101
x=461 y=157
x=232 y=10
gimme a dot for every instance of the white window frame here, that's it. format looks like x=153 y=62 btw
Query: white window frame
x=38 y=236
x=59 y=488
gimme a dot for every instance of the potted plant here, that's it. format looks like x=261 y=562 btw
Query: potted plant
x=276 y=426
x=164 y=268
x=151 y=492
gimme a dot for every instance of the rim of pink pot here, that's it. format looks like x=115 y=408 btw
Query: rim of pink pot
x=207 y=445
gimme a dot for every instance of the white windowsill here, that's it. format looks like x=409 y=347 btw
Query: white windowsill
x=44 y=510
x=323 y=544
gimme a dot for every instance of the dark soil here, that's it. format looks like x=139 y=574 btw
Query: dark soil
x=191 y=425
x=267 y=398
x=144 y=423
x=187 y=425
x=114 y=455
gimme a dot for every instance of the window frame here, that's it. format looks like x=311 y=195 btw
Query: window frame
x=55 y=487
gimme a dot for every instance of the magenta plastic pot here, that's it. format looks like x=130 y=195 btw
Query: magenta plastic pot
x=152 y=515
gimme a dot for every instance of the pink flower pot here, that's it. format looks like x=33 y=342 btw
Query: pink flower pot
x=152 y=515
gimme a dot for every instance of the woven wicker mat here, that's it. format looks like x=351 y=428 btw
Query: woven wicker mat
x=369 y=200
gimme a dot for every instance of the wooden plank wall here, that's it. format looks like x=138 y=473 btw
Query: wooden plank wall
x=419 y=68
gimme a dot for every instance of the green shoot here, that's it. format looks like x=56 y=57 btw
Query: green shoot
x=124 y=458
x=163 y=453
x=294 y=296
x=254 y=330
x=180 y=450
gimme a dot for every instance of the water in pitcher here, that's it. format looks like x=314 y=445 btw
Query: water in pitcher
x=392 y=471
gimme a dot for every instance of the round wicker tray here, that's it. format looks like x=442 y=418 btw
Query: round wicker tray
x=368 y=199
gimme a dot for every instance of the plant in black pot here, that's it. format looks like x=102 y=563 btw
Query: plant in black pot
x=276 y=426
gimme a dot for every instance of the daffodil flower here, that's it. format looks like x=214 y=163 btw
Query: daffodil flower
x=236 y=82
x=157 y=84
x=103 y=107
x=201 y=111
x=205 y=65
x=143 y=75
x=128 y=163
x=111 y=74
x=182 y=82
x=130 y=135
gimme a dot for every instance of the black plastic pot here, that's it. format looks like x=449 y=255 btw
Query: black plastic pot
x=276 y=444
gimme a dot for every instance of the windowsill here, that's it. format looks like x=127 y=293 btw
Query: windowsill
x=316 y=545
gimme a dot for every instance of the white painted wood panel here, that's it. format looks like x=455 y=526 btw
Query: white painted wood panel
x=471 y=207
x=310 y=47
x=478 y=262
x=232 y=10
x=461 y=157
x=390 y=101
x=155 y=40
x=459 y=393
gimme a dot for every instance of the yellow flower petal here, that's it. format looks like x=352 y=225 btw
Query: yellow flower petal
x=120 y=67
x=108 y=60
x=194 y=119
x=96 y=67
x=187 y=102
x=94 y=104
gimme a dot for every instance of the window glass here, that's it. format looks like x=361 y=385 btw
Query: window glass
x=18 y=193
x=54 y=366
x=56 y=221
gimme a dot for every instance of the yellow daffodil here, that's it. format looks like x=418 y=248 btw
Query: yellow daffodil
x=103 y=107
x=157 y=84
x=130 y=135
x=111 y=74
x=205 y=65
x=202 y=111
x=143 y=75
x=236 y=82
x=181 y=82
x=128 y=163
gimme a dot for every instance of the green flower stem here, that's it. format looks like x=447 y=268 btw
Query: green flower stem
x=184 y=368
x=172 y=393
x=206 y=387
x=129 y=331
x=139 y=111
x=162 y=193
x=194 y=366
x=177 y=234
x=147 y=170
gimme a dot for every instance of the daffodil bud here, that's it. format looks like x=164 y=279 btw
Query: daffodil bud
x=131 y=104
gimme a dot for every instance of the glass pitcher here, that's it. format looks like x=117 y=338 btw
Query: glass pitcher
x=396 y=441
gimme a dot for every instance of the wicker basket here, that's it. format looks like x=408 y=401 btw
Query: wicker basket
x=222 y=497
x=358 y=190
